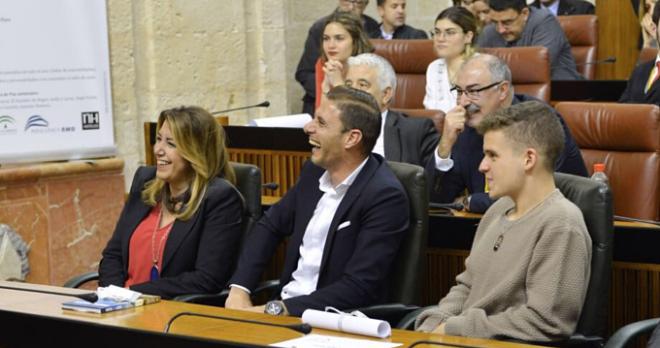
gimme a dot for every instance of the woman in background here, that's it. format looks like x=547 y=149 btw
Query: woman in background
x=343 y=37
x=453 y=36
x=180 y=228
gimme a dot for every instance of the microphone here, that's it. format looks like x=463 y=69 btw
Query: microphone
x=302 y=328
x=608 y=60
x=455 y=206
x=89 y=297
x=260 y=105
x=435 y=343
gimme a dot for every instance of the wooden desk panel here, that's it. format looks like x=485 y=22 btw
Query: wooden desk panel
x=148 y=322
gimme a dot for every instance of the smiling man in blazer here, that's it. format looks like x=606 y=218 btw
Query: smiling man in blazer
x=344 y=219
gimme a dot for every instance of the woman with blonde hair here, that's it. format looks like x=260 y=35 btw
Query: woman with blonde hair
x=179 y=230
x=454 y=33
x=343 y=37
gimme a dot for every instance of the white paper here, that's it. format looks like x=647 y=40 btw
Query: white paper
x=117 y=294
x=347 y=323
x=290 y=121
x=323 y=341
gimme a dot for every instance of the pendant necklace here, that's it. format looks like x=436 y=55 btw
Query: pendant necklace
x=155 y=253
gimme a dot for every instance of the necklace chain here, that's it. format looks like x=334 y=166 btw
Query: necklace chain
x=155 y=253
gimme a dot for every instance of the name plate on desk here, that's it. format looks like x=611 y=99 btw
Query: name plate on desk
x=587 y=90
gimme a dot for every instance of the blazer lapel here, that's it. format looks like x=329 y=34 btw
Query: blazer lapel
x=392 y=137
x=351 y=195
x=178 y=233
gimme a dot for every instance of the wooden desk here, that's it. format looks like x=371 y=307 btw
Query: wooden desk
x=635 y=289
x=32 y=318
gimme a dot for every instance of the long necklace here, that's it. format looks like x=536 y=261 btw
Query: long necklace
x=155 y=253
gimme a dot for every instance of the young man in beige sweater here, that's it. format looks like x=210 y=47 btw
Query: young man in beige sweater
x=527 y=274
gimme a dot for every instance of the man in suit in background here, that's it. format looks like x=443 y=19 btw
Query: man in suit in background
x=513 y=24
x=393 y=25
x=643 y=86
x=402 y=139
x=483 y=85
x=566 y=7
x=344 y=219
x=305 y=74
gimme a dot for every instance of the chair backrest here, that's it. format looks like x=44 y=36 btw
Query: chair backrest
x=248 y=183
x=596 y=207
x=410 y=59
x=582 y=33
x=626 y=138
x=406 y=280
x=530 y=69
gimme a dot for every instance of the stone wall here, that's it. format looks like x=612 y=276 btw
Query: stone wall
x=217 y=54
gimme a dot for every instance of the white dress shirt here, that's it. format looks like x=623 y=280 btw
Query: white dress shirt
x=306 y=276
x=379 y=147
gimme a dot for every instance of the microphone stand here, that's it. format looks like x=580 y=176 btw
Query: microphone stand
x=302 y=328
x=264 y=104
x=89 y=297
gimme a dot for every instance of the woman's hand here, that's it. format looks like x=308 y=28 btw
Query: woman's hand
x=334 y=75
x=648 y=29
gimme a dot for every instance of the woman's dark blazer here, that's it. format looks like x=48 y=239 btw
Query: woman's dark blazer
x=199 y=254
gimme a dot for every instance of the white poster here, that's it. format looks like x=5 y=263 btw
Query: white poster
x=55 y=97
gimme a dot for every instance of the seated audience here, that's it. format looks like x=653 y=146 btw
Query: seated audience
x=454 y=32
x=643 y=86
x=483 y=85
x=393 y=25
x=527 y=273
x=566 y=7
x=344 y=219
x=648 y=25
x=513 y=24
x=402 y=138
x=305 y=72
x=181 y=225
x=479 y=8
x=342 y=37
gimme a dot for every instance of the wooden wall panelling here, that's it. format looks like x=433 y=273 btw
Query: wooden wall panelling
x=618 y=33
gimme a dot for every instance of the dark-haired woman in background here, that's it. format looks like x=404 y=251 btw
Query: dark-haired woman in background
x=343 y=37
x=454 y=32
x=180 y=228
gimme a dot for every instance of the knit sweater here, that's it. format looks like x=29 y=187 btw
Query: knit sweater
x=532 y=287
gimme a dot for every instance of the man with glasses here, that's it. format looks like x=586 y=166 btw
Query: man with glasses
x=483 y=85
x=514 y=24
x=393 y=14
x=305 y=73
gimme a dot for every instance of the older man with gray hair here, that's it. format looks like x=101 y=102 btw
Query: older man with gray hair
x=483 y=85
x=402 y=138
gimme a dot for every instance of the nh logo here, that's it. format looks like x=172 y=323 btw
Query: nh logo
x=90 y=120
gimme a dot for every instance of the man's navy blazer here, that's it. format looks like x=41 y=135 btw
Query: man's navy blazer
x=356 y=259
x=634 y=92
x=467 y=154
x=408 y=139
x=200 y=252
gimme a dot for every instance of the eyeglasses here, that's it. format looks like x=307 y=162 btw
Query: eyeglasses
x=473 y=93
x=447 y=33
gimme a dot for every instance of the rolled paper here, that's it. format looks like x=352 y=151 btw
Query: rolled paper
x=347 y=323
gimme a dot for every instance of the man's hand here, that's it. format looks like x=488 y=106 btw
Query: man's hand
x=238 y=299
x=453 y=125
x=440 y=330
